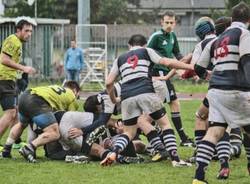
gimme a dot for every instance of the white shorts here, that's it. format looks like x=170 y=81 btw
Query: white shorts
x=135 y=106
x=161 y=89
x=231 y=107
x=73 y=119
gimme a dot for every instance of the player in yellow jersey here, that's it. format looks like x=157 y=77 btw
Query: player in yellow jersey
x=36 y=107
x=10 y=56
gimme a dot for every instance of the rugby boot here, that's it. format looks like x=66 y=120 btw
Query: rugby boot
x=109 y=160
x=195 y=181
x=223 y=173
x=28 y=154
x=160 y=155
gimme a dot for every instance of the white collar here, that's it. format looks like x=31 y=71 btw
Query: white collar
x=136 y=47
x=239 y=24
x=210 y=36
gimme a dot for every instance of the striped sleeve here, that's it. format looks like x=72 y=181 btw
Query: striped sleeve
x=153 y=55
x=205 y=57
x=244 y=43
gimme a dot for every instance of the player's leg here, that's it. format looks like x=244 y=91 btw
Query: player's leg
x=15 y=133
x=246 y=143
x=176 y=115
x=217 y=127
x=223 y=151
x=8 y=103
x=206 y=150
x=236 y=142
x=200 y=126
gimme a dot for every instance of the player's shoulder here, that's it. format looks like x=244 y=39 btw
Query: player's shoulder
x=156 y=34
x=13 y=39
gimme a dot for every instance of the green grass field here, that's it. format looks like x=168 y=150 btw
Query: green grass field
x=18 y=171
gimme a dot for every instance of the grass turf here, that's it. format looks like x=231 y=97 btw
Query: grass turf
x=18 y=171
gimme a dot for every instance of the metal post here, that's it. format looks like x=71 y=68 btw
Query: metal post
x=83 y=18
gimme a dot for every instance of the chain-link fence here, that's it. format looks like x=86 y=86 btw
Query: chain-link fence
x=45 y=50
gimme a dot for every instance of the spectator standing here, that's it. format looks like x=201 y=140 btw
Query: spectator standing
x=73 y=62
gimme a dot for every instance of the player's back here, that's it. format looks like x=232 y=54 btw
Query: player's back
x=134 y=67
x=226 y=53
x=58 y=97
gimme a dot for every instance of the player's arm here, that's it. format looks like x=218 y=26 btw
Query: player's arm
x=110 y=81
x=202 y=62
x=245 y=54
x=185 y=59
x=73 y=106
x=172 y=63
x=102 y=120
x=176 y=49
x=245 y=62
x=7 y=61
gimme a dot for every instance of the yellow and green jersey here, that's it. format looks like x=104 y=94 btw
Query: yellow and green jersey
x=58 y=97
x=12 y=46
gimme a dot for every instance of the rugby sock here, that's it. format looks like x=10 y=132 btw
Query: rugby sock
x=19 y=140
x=176 y=118
x=121 y=143
x=246 y=142
x=155 y=140
x=169 y=140
x=204 y=155
x=9 y=141
x=104 y=154
x=223 y=150
x=7 y=147
x=235 y=141
x=31 y=147
x=199 y=134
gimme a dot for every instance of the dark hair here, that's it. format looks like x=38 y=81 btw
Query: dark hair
x=91 y=103
x=21 y=24
x=241 y=12
x=169 y=13
x=221 y=24
x=72 y=85
x=137 y=40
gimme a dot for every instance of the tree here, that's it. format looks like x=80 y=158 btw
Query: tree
x=102 y=11
x=45 y=9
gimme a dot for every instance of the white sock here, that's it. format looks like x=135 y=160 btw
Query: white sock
x=10 y=141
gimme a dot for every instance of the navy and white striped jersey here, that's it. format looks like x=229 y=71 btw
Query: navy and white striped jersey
x=135 y=67
x=105 y=101
x=225 y=53
x=200 y=47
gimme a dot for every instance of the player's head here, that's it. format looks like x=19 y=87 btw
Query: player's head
x=137 y=40
x=24 y=27
x=203 y=27
x=168 y=21
x=92 y=104
x=241 y=13
x=73 y=43
x=74 y=86
x=221 y=24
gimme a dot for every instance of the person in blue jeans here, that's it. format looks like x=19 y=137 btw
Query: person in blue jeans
x=73 y=62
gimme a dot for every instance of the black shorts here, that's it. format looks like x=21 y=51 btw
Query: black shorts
x=171 y=94
x=205 y=102
x=34 y=109
x=8 y=95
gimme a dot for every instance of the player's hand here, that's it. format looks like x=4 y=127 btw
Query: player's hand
x=29 y=70
x=118 y=99
x=74 y=133
x=209 y=73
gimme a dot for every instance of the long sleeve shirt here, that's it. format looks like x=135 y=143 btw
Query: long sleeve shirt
x=73 y=59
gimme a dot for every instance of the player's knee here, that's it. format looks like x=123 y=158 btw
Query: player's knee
x=12 y=114
x=175 y=105
x=215 y=133
x=201 y=115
